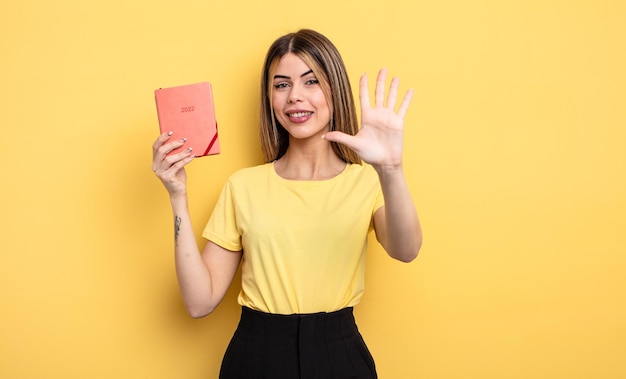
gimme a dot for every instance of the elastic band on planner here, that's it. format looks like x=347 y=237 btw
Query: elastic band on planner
x=212 y=142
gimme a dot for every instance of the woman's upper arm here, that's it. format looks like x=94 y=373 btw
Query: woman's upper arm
x=222 y=265
x=380 y=227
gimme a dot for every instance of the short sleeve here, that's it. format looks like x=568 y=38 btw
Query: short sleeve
x=222 y=225
x=379 y=201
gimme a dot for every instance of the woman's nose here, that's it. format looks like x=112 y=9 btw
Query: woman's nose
x=294 y=95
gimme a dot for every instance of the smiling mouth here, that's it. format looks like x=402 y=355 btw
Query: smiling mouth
x=299 y=114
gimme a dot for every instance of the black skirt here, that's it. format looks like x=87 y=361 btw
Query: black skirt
x=301 y=346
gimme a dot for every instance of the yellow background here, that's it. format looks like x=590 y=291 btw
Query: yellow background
x=515 y=154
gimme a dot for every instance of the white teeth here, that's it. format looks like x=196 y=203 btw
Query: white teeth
x=299 y=114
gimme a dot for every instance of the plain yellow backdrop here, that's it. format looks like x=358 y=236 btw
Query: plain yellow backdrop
x=515 y=154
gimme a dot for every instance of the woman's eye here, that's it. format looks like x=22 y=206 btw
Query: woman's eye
x=280 y=85
x=312 y=82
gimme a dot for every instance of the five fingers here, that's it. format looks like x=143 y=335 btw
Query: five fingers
x=379 y=93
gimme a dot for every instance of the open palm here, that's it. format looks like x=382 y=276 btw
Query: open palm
x=379 y=140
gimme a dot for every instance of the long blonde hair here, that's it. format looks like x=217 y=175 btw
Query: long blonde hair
x=324 y=59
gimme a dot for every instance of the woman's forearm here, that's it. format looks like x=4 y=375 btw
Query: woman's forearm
x=402 y=236
x=192 y=273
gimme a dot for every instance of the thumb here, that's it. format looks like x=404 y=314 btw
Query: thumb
x=339 y=137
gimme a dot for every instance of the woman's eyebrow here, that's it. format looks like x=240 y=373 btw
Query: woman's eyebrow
x=289 y=77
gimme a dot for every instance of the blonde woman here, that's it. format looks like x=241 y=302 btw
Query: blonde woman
x=298 y=224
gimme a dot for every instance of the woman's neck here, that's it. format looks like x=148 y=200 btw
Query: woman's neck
x=301 y=163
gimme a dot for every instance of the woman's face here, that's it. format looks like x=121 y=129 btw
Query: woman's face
x=298 y=100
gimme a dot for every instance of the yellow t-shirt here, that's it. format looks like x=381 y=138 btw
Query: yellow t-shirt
x=303 y=242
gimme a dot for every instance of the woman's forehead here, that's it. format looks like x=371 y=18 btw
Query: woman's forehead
x=291 y=64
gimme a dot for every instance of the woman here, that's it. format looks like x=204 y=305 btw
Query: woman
x=299 y=223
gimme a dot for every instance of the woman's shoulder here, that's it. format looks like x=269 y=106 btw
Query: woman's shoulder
x=251 y=173
x=362 y=171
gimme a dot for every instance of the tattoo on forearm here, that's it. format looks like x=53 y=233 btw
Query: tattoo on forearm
x=177 y=221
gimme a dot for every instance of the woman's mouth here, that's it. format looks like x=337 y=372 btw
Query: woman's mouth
x=299 y=116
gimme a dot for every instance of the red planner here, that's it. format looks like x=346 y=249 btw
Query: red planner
x=188 y=112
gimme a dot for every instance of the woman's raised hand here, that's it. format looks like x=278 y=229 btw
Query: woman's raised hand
x=379 y=141
x=171 y=169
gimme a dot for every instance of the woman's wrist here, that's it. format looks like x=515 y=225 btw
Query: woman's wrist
x=385 y=171
x=179 y=200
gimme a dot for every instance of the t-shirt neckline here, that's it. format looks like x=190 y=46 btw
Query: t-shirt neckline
x=276 y=175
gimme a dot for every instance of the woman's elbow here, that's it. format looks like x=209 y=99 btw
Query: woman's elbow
x=200 y=310
x=408 y=254
x=408 y=257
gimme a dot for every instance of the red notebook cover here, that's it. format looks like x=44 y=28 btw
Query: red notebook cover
x=188 y=112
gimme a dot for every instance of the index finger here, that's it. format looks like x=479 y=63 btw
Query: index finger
x=364 y=93
x=161 y=140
